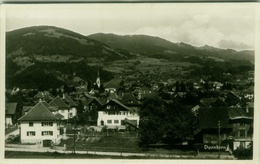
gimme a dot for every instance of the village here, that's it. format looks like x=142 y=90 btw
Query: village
x=105 y=116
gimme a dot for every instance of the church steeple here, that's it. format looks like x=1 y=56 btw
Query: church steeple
x=98 y=79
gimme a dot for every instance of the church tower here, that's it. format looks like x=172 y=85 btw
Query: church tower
x=98 y=79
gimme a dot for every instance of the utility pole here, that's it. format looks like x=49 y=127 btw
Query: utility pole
x=219 y=139
x=74 y=138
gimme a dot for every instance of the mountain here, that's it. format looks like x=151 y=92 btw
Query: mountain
x=31 y=51
x=48 y=57
x=50 y=41
x=153 y=46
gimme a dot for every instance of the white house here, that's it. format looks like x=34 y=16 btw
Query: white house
x=65 y=107
x=39 y=125
x=114 y=114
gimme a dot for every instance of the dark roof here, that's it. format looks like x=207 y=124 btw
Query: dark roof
x=44 y=96
x=68 y=101
x=88 y=101
x=10 y=108
x=238 y=113
x=208 y=118
x=131 y=122
x=208 y=101
x=59 y=103
x=129 y=97
x=59 y=116
x=39 y=113
x=113 y=96
x=118 y=103
x=26 y=109
x=114 y=83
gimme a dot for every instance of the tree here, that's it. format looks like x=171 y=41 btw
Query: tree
x=169 y=124
x=151 y=114
x=244 y=153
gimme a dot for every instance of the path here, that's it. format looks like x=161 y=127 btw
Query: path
x=121 y=154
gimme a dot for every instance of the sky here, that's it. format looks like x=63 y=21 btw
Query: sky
x=220 y=25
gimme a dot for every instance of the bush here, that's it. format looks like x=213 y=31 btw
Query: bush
x=244 y=153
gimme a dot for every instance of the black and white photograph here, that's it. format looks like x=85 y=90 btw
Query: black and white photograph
x=130 y=81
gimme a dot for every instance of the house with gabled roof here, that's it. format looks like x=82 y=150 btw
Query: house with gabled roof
x=71 y=104
x=113 y=85
x=113 y=114
x=39 y=125
x=91 y=107
x=232 y=126
x=10 y=110
x=62 y=107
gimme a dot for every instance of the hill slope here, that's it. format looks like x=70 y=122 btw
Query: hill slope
x=152 y=46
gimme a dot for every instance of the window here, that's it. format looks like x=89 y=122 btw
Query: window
x=116 y=121
x=47 y=133
x=109 y=121
x=242 y=124
x=242 y=144
x=30 y=123
x=47 y=123
x=242 y=133
x=108 y=107
x=31 y=133
x=122 y=122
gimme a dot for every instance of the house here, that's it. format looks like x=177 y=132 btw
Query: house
x=10 y=110
x=91 y=107
x=39 y=125
x=242 y=122
x=130 y=100
x=113 y=85
x=229 y=127
x=212 y=102
x=114 y=113
x=71 y=104
x=62 y=107
x=44 y=96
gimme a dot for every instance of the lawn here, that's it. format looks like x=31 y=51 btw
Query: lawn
x=103 y=143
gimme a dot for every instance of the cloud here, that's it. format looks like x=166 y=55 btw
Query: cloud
x=229 y=44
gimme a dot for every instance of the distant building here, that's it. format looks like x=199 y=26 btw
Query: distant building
x=66 y=107
x=114 y=114
x=39 y=125
x=10 y=110
x=91 y=107
x=113 y=85
x=233 y=126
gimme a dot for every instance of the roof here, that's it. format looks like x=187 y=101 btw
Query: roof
x=26 y=109
x=59 y=116
x=118 y=103
x=68 y=101
x=131 y=122
x=59 y=103
x=44 y=95
x=88 y=101
x=113 y=96
x=10 y=108
x=129 y=97
x=114 y=83
x=39 y=113
x=238 y=113
x=208 y=101
x=209 y=117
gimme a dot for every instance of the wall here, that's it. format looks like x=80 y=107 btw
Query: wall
x=38 y=128
x=121 y=116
